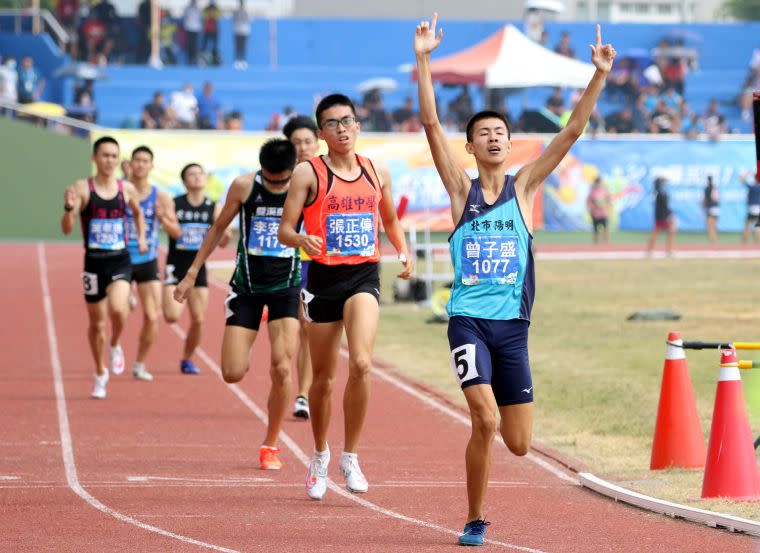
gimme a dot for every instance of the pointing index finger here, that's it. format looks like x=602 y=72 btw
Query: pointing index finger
x=435 y=20
x=598 y=35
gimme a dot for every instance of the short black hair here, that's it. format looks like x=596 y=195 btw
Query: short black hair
x=299 y=122
x=333 y=100
x=186 y=168
x=486 y=114
x=277 y=155
x=103 y=140
x=144 y=149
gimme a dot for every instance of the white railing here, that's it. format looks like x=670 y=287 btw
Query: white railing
x=56 y=29
x=432 y=252
x=56 y=123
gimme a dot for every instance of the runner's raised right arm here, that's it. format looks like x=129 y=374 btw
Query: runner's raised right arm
x=454 y=178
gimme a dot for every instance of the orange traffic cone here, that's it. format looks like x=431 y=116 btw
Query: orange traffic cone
x=731 y=469
x=678 y=439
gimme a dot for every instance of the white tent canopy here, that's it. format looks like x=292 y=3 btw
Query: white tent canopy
x=509 y=59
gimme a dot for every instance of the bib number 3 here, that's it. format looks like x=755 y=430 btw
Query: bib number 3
x=463 y=363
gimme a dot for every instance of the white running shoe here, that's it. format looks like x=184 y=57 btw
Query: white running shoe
x=141 y=373
x=132 y=301
x=355 y=480
x=117 y=360
x=99 y=387
x=301 y=408
x=316 y=477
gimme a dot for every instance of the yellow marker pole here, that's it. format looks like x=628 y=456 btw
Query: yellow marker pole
x=746 y=345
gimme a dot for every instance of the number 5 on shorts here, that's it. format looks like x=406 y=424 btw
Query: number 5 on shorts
x=463 y=363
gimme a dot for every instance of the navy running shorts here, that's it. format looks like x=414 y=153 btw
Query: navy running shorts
x=330 y=287
x=486 y=351
x=177 y=267
x=100 y=271
x=246 y=309
x=146 y=272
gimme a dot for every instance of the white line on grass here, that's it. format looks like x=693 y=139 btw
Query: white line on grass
x=305 y=459
x=67 y=447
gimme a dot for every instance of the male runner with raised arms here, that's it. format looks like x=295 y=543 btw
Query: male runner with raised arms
x=266 y=274
x=195 y=213
x=494 y=281
x=101 y=203
x=342 y=196
x=158 y=209
x=302 y=133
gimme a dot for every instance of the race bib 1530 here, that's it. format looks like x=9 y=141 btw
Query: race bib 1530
x=351 y=234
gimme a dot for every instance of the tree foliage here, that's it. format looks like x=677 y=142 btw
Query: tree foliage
x=748 y=10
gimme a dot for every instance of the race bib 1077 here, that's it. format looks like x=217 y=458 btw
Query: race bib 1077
x=489 y=259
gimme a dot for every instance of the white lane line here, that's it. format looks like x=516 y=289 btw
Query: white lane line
x=67 y=447
x=6 y=477
x=456 y=415
x=304 y=459
x=435 y=404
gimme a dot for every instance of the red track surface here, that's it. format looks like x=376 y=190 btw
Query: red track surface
x=179 y=456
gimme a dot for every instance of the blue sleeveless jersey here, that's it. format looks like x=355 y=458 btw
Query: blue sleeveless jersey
x=490 y=248
x=148 y=207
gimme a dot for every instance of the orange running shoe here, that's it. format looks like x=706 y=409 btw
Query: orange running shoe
x=268 y=458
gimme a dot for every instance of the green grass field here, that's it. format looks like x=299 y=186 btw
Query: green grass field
x=597 y=376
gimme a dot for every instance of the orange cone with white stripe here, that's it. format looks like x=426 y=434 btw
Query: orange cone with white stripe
x=731 y=469
x=678 y=438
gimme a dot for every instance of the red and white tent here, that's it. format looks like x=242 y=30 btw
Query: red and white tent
x=509 y=59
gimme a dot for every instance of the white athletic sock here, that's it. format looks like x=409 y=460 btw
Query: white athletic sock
x=138 y=366
x=322 y=454
x=345 y=457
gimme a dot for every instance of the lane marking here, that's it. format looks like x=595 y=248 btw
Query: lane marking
x=6 y=477
x=188 y=480
x=304 y=459
x=67 y=446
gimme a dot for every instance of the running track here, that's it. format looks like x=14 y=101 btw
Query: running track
x=172 y=465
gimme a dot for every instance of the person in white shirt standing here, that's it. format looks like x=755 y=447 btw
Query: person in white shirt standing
x=185 y=107
x=241 y=25
x=193 y=26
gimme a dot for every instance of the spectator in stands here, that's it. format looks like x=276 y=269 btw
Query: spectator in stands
x=544 y=40
x=66 y=12
x=563 y=47
x=598 y=203
x=167 y=42
x=9 y=81
x=184 y=104
x=233 y=121
x=84 y=103
x=711 y=205
x=405 y=118
x=533 y=25
x=193 y=25
x=671 y=98
x=674 y=74
x=460 y=108
x=143 y=31
x=620 y=122
x=664 y=119
x=241 y=26
x=154 y=112
x=692 y=127
x=279 y=120
x=30 y=84
x=105 y=12
x=170 y=120
x=714 y=121
x=92 y=35
x=210 y=48
x=210 y=114
x=622 y=82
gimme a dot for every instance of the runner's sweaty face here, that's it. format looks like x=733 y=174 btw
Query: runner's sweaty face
x=106 y=158
x=339 y=128
x=141 y=165
x=305 y=142
x=195 y=179
x=490 y=141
